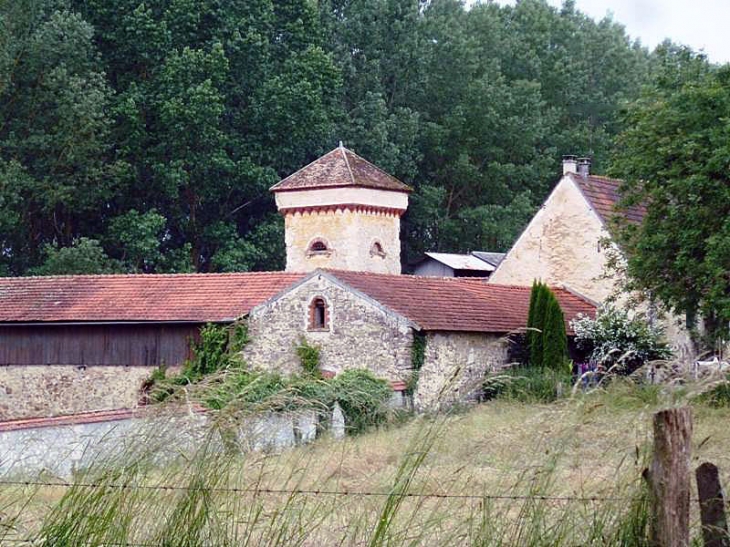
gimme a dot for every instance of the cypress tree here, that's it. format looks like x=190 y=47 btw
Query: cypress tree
x=554 y=339
x=531 y=313
x=536 y=345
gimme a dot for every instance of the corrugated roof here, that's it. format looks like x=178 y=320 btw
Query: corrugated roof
x=457 y=304
x=462 y=262
x=492 y=258
x=604 y=196
x=165 y=297
x=340 y=168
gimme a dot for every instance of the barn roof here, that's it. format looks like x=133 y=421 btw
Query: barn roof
x=491 y=258
x=163 y=297
x=462 y=262
x=457 y=304
x=340 y=168
x=604 y=196
x=447 y=304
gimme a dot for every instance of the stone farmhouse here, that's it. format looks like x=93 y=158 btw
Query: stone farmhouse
x=569 y=243
x=71 y=344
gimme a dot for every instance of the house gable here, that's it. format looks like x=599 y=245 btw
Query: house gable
x=562 y=245
x=359 y=332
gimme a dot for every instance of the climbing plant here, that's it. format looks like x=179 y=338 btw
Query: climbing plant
x=309 y=357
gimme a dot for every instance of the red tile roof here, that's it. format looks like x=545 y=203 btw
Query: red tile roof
x=166 y=297
x=448 y=304
x=457 y=304
x=604 y=196
x=97 y=416
x=340 y=168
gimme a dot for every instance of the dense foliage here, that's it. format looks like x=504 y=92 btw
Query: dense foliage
x=527 y=384
x=546 y=337
x=616 y=340
x=217 y=377
x=675 y=158
x=143 y=136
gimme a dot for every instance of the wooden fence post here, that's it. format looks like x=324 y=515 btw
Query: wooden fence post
x=669 y=477
x=712 y=506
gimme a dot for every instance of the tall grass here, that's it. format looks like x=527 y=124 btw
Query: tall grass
x=214 y=495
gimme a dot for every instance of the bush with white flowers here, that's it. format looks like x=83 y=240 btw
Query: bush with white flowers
x=619 y=342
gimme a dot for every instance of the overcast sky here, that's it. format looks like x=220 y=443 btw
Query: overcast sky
x=700 y=24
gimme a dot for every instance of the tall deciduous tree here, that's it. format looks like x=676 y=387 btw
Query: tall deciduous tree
x=156 y=128
x=675 y=158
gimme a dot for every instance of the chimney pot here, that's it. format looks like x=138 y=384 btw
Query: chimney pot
x=584 y=167
x=570 y=165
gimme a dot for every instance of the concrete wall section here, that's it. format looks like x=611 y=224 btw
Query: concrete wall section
x=359 y=334
x=53 y=390
x=561 y=245
x=454 y=367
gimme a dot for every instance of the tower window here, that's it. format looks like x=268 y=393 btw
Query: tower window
x=318 y=316
x=377 y=250
x=318 y=247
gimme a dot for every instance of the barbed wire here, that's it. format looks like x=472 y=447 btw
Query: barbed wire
x=317 y=492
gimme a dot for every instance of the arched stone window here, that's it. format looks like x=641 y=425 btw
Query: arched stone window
x=318 y=247
x=376 y=249
x=318 y=314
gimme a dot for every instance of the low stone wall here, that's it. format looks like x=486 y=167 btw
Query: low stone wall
x=63 y=446
x=455 y=365
x=53 y=390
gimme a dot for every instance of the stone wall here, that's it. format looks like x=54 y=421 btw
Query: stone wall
x=349 y=236
x=561 y=245
x=166 y=434
x=360 y=333
x=454 y=366
x=53 y=390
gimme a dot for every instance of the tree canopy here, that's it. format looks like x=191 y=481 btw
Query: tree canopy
x=675 y=158
x=144 y=135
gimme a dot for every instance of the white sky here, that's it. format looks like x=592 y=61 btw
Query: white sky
x=701 y=24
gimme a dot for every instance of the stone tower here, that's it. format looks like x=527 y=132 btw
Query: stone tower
x=342 y=212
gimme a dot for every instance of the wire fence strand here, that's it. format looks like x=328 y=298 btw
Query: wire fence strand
x=315 y=492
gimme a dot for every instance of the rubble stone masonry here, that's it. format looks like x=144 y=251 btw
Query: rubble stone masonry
x=359 y=333
x=54 y=390
x=454 y=367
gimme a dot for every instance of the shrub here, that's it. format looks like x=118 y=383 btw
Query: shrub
x=362 y=397
x=528 y=385
x=210 y=353
x=615 y=341
x=719 y=395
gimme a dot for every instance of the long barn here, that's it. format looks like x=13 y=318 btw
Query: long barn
x=76 y=343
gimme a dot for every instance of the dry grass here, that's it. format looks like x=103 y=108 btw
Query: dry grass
x=592 y=446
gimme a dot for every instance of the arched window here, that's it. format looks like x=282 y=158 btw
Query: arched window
x=318 y=316
x=318 y=247
x=376 y=249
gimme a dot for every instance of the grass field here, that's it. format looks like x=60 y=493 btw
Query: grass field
x=475 y=467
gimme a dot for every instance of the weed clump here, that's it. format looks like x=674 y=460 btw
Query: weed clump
x=525 y=384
